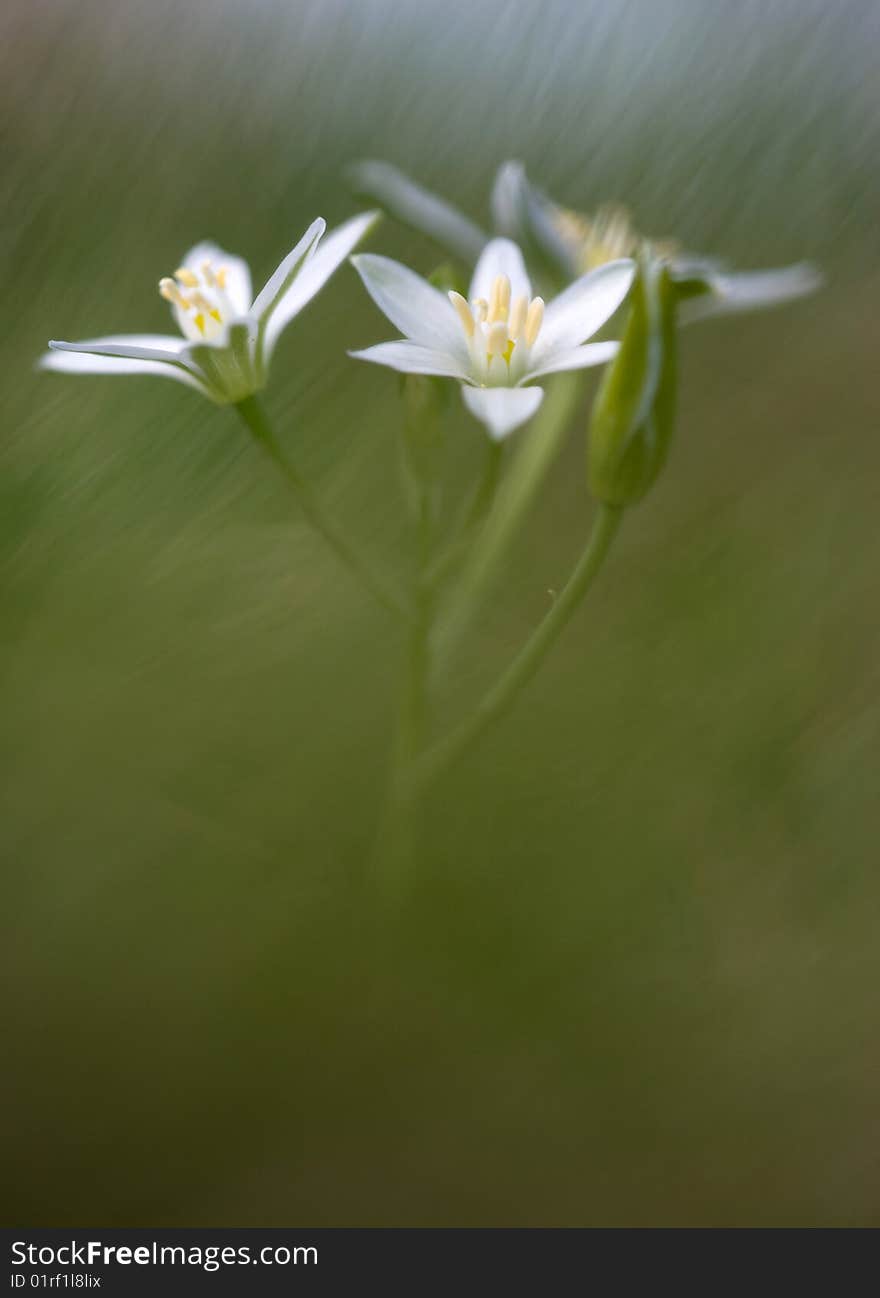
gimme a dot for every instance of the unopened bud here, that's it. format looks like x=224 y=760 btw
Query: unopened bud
x=634 y=413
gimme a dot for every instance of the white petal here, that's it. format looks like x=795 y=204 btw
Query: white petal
x=330 y=254
x=280 y=280
x=584 y=307
x=694 y=265
x=419 y=310
x=155 y=342
x=238 y=274
x=75 y=362
x=506 y=201
x=410 y=358
x=418 y=207
x=751 y=290
x=528 y=215
x=144 y=347
x=574 y=358
x=502 y=409
x=500 y=257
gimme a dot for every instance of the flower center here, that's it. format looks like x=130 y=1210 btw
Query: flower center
x=609 y=234
x=201 y=303
x=497 y=327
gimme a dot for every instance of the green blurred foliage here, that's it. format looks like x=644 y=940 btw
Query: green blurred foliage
x=634 y=979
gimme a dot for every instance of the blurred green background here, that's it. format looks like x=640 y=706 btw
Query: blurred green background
x=635 y=978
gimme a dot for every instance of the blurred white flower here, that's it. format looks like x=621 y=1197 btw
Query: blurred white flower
x=575 y=243
x=228 y=336
x=564 y=244
x=500 y=339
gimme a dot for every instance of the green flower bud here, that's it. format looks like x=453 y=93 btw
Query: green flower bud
x=634 y=412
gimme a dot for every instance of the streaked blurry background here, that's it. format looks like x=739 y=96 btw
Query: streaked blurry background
x=636 y=978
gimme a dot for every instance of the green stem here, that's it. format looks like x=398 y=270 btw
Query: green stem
x=413 y=704
x=251 y=412
x=398 y=835
x=502 y=695
x=540 y=445
x=477 y=511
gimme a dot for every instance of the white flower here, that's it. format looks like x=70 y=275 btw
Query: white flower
x=706 y=287
x=499 y=340
x=564 y=243
x=574 y=243
x=228 y=336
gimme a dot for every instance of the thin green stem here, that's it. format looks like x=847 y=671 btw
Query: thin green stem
x=539 y=447
x=505 y=691
x=397 y=842
x=254 y=417
x=476 y=513
x=413 y=709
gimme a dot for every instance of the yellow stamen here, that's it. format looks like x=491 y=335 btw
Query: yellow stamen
x=480 y=309
x=534 y=320
x=518 y=316
x=499 y=302
x=463 y=312
x=171 y=293
x=208 y=274
x=221 y=277
x=496 y=342
x=186 y=277
x=199 y=322
x=614 y=229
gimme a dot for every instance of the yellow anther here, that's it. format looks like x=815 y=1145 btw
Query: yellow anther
x=199 y=300
x=613 y=228
x=208 y=274
x=480 y=309
x=518 y=316
x=496 y=341
x=463 y=312
x=199 y=322
x=170 y=290
x=499 y=302
x=221 y=276
x=534 y=320
x=187 y=277
x=609 y=235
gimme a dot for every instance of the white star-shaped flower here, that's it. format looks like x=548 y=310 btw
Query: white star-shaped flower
x=564 y=243
x=499 y=339
x=227 y=336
